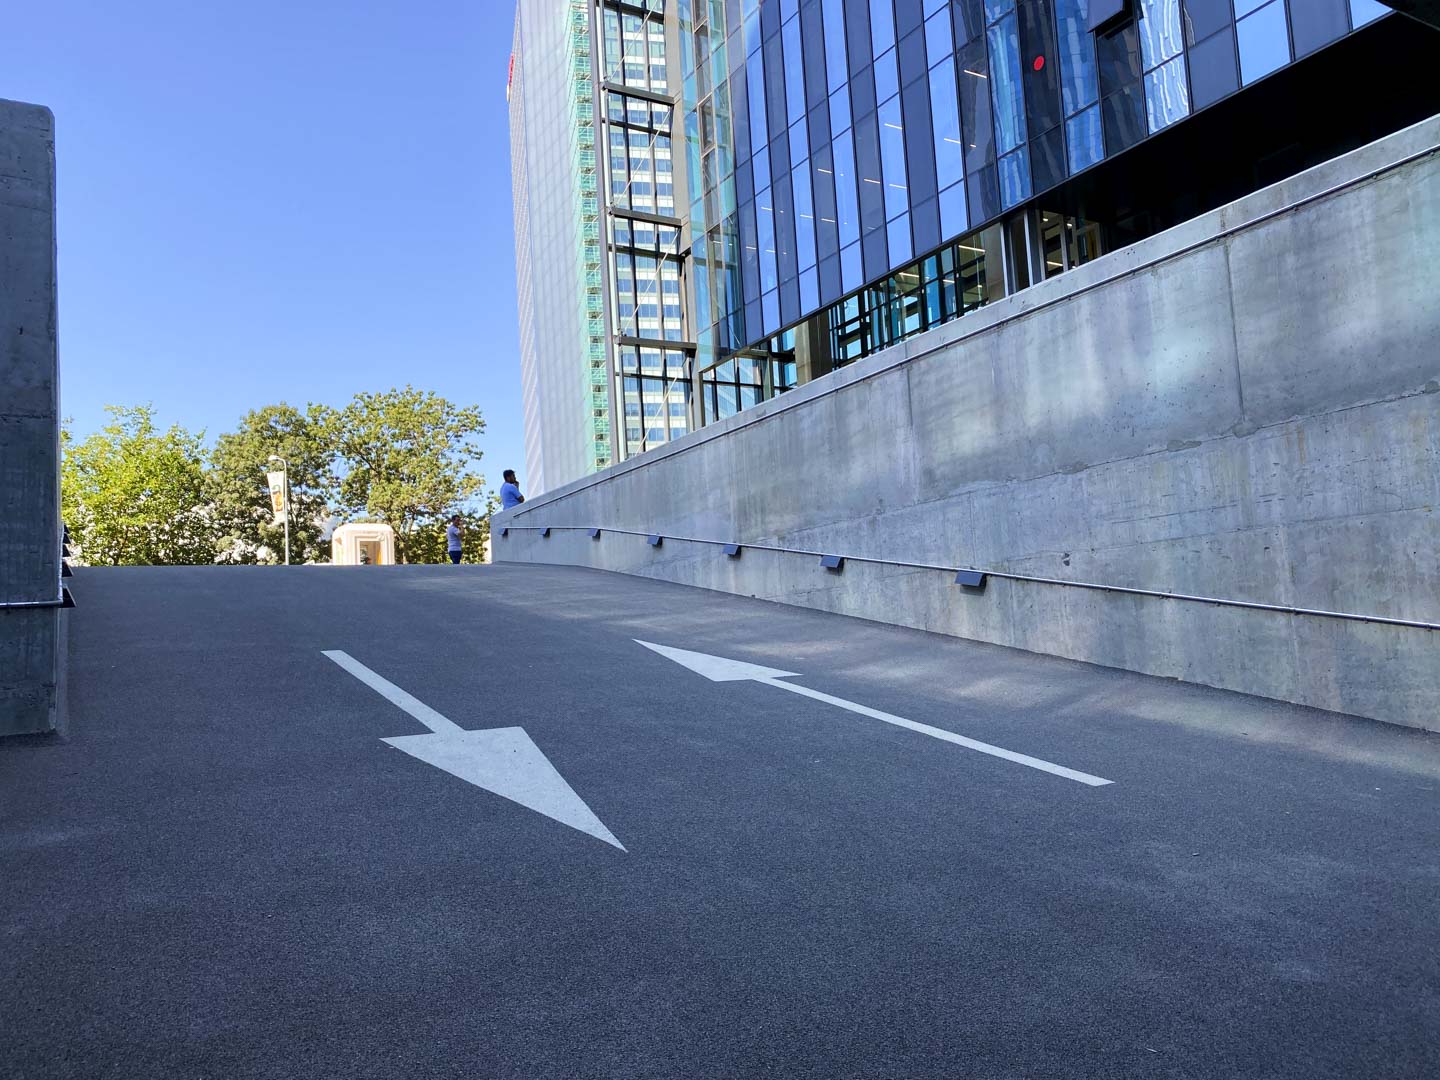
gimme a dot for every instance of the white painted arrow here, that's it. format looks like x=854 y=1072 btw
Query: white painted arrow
x=719 y=669
x=501 y=760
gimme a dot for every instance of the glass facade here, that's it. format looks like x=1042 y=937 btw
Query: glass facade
x=865 y=169
x=759 y=191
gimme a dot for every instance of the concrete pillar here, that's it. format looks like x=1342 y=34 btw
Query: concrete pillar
x=32 y=641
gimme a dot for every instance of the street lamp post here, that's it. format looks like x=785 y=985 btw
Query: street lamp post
x=285 y=469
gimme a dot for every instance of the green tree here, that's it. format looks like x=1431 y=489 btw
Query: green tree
x=427 y=542
x=136 y=496
x=247 y=532
x=405 y=458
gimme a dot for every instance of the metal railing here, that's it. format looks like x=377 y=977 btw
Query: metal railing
x=974 y=577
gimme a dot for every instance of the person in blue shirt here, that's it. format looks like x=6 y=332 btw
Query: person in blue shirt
x=453 y=543
x=510 y=491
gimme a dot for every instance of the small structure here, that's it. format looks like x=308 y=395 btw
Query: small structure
x=363 y=543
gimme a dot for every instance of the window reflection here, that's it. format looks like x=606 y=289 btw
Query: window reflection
x=1005 y=85
x=1264 y=40
x=1167 y=96
x=1084 y=138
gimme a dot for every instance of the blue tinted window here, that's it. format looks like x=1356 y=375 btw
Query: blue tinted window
x=804 y=218
x=1079 y=81
x=835 y=66
x=847 y=206
x=799 y=142
x=932 y=6
x=760 y=166
x=882 y=26
x=995 y=8
x=953 y=217
x=794 y=71
x=1205 y=17
x=1244 y=7
x=1005 y=85
x=899 y=234
x=945 y=118
x=887 y=79
x=755 y=87
x=809 y=291
x=1167 y=97
x=1212 y=68
x=1364 y=11
x=1159 y=31
x=1264 y=41
x=840 y=109
x=765 y=223
x=752 y=32
x=939 y=44
x=1083 y=134
x=771 y=307
x=1014 y=177
x=1317 y=23
x=892 y=159
x=852 y=269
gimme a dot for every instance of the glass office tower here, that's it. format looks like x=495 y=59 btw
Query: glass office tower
x=606 y=367
x=862 y=170
x=718 y=200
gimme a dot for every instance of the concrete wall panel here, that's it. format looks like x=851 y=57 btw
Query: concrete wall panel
x=1222 y=411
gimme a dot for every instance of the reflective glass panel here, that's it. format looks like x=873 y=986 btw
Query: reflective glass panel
x=794 y=71
x=1167 y=96
x=882 y=26
x=1159 y=31
x=954 y=218
x=995 y=8
x=765 y=222
x=945 y=118
x=899 y=235
x=1316 y=23
x=892 y=159
x=1264 y=40
x=939 y=44
x=852 y=273
x=1205 y=17
x=1364 y=11
x=755 y=87
x=834 y=21
x=1015 y=177
x=804 y=217
x=887 y=79
x=1212 y=68
x=1084 y=138
x=840 y=109
x=846 y=204
x=1079 y=81
x=1005 y=85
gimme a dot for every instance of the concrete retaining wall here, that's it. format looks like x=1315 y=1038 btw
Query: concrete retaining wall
x=32 y=655
x=1244 y=407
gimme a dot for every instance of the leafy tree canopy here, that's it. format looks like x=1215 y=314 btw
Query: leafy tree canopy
x=406 y=458
x=133 y=495
x=246 y=529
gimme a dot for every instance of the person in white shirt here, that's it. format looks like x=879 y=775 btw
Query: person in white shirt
x=453 y=539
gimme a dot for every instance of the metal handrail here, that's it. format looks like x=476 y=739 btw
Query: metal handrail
x=1283 y=609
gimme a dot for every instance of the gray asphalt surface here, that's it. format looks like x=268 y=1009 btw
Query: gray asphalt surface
x=224 y=873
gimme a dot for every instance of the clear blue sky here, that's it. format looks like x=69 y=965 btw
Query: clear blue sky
x=278 y=200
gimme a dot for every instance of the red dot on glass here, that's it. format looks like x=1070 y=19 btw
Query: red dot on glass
x=1039 y=63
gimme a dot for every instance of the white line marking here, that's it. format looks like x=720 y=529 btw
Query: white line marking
x=392 y=693
x=943 y=735
x=719 y=669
